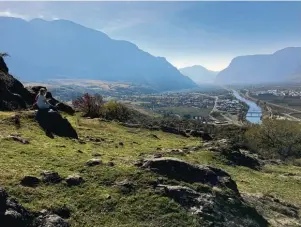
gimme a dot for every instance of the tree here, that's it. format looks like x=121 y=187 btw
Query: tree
x=116 y=111
x=90 y=105
x=275 y=138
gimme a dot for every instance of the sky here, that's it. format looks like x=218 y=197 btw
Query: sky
x=210 y=34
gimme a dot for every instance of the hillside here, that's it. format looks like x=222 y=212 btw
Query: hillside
x=44 y=50
x=276 y=67
x=199 y=74
x=116 y=187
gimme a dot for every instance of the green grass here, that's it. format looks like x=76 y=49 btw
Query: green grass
x=88 y=202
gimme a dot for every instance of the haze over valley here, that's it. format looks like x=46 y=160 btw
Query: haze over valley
x=150 y=114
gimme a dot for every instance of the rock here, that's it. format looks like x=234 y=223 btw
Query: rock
x=50 y=220
x=111 y=164
x=65 y=108
x=180 y=170
x=3 y=66
x=12 y=213
x=3 y=198
x=214 y=209
x=13 y=217
x=18 y=139
x=63 y=211
x=125 y=186
x=154 y=136
x=121 y=143
x=13 y=95
x=53 y=122
x=73 y=180
x=34 y=90
x=204 y=135
x=51 y=177
x=242 y=158
x=176 y=152
x=158 y=155
x=30 y=181
x=93 y=162
x=279 y=213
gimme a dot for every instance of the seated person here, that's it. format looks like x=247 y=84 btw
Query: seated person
x=42 y=102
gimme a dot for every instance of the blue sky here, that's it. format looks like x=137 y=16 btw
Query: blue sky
x=186 y=33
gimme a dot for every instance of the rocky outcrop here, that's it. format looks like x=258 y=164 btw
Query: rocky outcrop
x=54 y=123
x=213 y=208
x=13 y=214
x=30 y=181
x=234 y=153
x=50 y=220
x=13 y=95
x=34 y=90
x=180 y=170
x=242 y=158
x=73 y=180
x=51 y=177
x=277 y=212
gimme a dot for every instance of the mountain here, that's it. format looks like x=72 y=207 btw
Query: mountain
x=265 y=68
x=199 y=74
x=42 y=50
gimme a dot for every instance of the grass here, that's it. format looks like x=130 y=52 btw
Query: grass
x=88 y=202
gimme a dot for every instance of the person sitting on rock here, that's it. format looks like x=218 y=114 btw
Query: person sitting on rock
x=42 y=102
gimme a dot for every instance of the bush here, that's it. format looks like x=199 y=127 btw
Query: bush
x=113 y=110
x=90 y=105
x=275 y=138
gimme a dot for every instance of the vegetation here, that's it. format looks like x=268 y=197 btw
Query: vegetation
x=116 y=111
x=275 y=138
x=90 y=105
x=98 y=202
x=93 y=106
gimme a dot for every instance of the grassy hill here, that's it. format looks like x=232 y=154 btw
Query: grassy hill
x=100 y=202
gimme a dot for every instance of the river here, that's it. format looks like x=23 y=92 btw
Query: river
x=253 y=107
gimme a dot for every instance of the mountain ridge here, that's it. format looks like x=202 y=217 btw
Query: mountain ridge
x=275 y=67
x=199 y=74
x=43 y=50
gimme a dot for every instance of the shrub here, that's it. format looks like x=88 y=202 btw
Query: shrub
x=275 y=138
x=116 y=111
x=90 y=105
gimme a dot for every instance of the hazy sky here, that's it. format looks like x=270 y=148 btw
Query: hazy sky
x=186 y=33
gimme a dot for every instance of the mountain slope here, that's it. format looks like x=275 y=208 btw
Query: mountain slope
x=262 y=68
x=199 y=74
x=62 y=49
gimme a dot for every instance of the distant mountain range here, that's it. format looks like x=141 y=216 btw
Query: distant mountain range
x=282 y=66
x=199 y=74
x=42 y=50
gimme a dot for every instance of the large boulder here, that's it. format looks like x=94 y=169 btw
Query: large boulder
x=14 y=96
x=12 y=213
x=3 y=66
x=34 y=90
x=242 y=158
x=184 y=171
x=53 y=122
x=50 y=220
x=214 y=209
